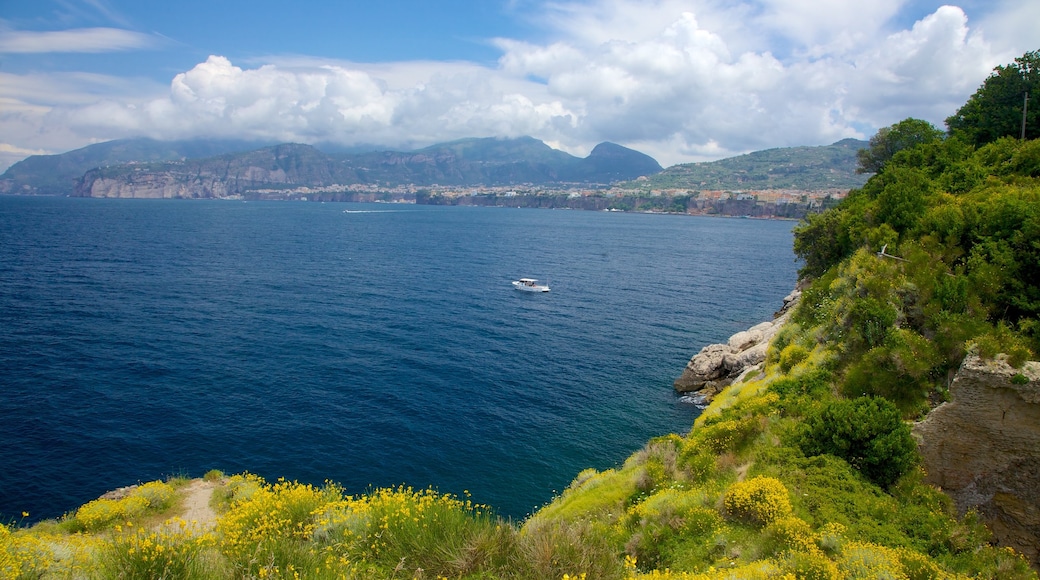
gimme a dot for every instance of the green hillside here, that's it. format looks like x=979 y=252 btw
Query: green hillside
x=800 y=168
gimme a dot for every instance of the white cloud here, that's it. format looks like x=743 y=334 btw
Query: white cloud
x=700 y=91
x=825 y=28
x=1012 y=27
x=90 y=40
x=682 y=80
x=314 y=101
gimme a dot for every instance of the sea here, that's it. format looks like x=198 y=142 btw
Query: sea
x=370 y=345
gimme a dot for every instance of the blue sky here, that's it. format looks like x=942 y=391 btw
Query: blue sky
x=682 y=80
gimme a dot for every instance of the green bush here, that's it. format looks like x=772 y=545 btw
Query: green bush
x=792 y=355
x=758 y=501
x=867 y=432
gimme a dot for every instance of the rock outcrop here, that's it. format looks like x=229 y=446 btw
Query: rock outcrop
x=717 y=366
x=983 y=449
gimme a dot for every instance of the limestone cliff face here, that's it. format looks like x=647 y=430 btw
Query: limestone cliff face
x=272 y=167
x=983 y=449
x=717 y=366
x=154 y=186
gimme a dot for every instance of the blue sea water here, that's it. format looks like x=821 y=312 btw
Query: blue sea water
x=371 y=345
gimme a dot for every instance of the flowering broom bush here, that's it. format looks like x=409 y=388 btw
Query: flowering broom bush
x=759 y=501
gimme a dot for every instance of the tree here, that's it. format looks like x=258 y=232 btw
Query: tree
x=888 y=141
x=867 y=432
x=995 y=110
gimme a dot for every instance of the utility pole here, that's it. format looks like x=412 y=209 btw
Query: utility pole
x=1025 y=106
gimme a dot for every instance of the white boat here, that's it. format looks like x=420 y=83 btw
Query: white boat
x=530 y=285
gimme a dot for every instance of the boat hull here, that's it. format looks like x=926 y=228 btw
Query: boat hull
x=530 y=287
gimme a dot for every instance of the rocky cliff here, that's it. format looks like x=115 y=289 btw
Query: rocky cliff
x=717 y=366
x=271 y=167
x=983 y=449
x=462 y=163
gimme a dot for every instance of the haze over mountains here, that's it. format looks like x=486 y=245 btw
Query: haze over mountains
x=125 y=168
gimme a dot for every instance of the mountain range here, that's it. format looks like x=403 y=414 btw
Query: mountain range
x=219 y=168
x=212 y=168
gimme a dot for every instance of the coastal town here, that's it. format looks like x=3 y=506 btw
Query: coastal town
x=761 y=203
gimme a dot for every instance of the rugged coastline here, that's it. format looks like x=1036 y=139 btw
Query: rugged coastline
x=717 y=366
x=979 y=448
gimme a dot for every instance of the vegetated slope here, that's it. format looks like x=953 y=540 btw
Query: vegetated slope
x=801 y=168
x=57 y=174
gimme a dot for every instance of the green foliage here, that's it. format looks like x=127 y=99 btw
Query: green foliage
x=867 y=432
x=213 y=475
x=167 y=553
x=903 y=197
x=758 y=501
x=995 y=110
x=800 y=393
x=551 y=549
x=144 y=500
x=804 y=168
x=729 y=435
x=822 y=240
x=666 y=521
x=898 y=370
x=1000 y=340
x=888 y=141
x=791 y=355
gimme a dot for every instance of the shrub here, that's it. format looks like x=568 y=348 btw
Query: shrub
x=832 y=537
x=665 y=519
x=157 y=494
x=729 y=435
x=443 y=535
x=1002 y=340
x=213 y=475
x=758 y=501
x=791 y=355
x=810 y=566
x=171 y=552
x=900 y=371
x=550 y=549
x=265 y=526
x=866 y=432
x=696 y=462
x=862 y=561
x=791 y=533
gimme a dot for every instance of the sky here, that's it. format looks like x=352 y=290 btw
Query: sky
x=680 y=80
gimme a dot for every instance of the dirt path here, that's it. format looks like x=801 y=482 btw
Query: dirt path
x=197 y=511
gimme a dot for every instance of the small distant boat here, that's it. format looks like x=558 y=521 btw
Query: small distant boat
x=530 y=285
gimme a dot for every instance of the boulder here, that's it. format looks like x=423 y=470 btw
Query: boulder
x=718 y=365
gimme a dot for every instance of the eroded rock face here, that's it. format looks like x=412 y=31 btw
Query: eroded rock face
x=983 y=449
x=718 y=365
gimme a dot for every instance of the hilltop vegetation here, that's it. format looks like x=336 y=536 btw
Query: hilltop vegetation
x=806 y=469
x=799 y=168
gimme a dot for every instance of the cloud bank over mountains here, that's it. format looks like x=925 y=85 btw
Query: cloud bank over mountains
x=679 y=80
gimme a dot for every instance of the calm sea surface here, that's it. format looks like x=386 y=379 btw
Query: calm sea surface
x=371 y=345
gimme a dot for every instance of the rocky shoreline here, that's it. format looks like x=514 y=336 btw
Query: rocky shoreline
x=717 y=366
